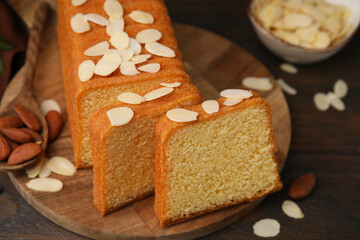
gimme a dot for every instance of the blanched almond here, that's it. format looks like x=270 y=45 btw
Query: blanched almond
x=79 y=24
x=45 y=184
x=115 y=25
x=257 y=83
x=321 y=101
x=48 y=105
x=108 y=64
x=140 y=58
x=98 y=49
x=77 y=2
x=159 y=49
x=126 y=54
x=322 y=40
x=340 y=88
x=120 y=116
x=236 y=93
x=157 y=93
x=131 y=98
x=150 y=68
x=181 y=115
x=128 y=68
x=231 y=102
x=210 y=106
x=289 y=68
x=135 y=46
x=148 y=35
x=291 y=209
x=286 y=87
x=173 y=85
x=114 y=9
x=266 y=228
x=96 y=18
x=33 y=171
x=61 y=165
x=45 y=172
x=86 y=70
x=294 y=20
x=336 y=102
x=141 y=17
x=120 y=40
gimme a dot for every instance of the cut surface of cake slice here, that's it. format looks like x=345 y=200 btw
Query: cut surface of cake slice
x=124 y=155
x=221 y=157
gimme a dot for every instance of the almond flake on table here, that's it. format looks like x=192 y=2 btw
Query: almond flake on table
x=289 y=68
x=120 y=40
x=33 y=171
x=173 y=85
x=210 y=106
x=148 y=35
x=286 y=87
x=98 y=49
x=79 y=24
x=238 y=94
x=128 y=68
x=77 y=2
x=126 y=54
x=114 y=9
x=135 y=46
x=150 y=68
x=335 y=102
x=159 y=49
x=45 y=172
x=157 y=93
x=141 y=17
x=86 y=70
x=61 y=165
x=45 y=184
x=266 y=228
x=340 y=88
x=181 y=115
x=96 y=18
x=258 y=83
x=131 y=98
x=321 y=101
x=291 y=209
x=115 y=25
x=49 y=105
x=140 y=58
x=120 y=116
x=231 y=102
x=108 y=64
x=295 y=20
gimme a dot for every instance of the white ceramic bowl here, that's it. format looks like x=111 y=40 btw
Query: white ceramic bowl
x=297 y=54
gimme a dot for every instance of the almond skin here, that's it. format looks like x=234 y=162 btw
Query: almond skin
x=302 y=186
x=17 y=135
x=12 y=144
x=35 y=136
x=4 y=148
x=24 y=153
x=10 y=121
x=54 y=121
x=28 y=117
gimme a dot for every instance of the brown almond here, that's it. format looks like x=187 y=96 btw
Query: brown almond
x=28 y=117
x=10 y=121
x=4 y=148
x=35 y=136
x=17 y=135
x=24 y=153
x=12 y=144
x=302 y=186
x=54 y=121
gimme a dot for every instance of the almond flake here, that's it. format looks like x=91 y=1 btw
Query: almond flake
x=61 y=165
x=114 y=9
x=140 y=58
x=141 y=17
x=86 y=70
x=120 y=40
x=286 y=87
x=108 y=64
x=45 y=172
x=79 y=24
x=210 y=106
x=131 y=98
x=291 y=209
x=322 y=40
x=96 y=18
x=157 y=93
x=135 y=46
x=336 y=102
x=128 y=68
x=116 y=25
x=148 y=35
x=173 y=85
x=289 y=68
x=45 y=184
x=77 y=2
x=321 y=101
x=181 y=115
x=159 y=49
x=238 y=94
x=48 y=105
x=98 y=49
x=33 y=171
x=231 y=102
x=126 y=54
x=120 y=116
x=340 y=88
x=257 y=83
x=150 y=68
x=294 y=20
x=266 y=228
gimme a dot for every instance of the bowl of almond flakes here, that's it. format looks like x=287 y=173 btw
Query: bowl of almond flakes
x=304 y=31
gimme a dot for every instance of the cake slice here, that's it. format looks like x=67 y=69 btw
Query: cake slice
x=214 y=160
x=124 y=155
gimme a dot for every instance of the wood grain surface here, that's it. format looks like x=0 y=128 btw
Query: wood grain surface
x=72 y=207
x=325 y=143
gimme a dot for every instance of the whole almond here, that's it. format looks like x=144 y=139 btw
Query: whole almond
x=28 y=117
x=12 y=144
x=35 y=136
x=54 y=121
x=24 y=153
x=10 y=121
x=4 y=148
x=302 y=186
x=17 y=135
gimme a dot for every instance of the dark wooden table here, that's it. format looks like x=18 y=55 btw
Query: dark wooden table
x=325 y=143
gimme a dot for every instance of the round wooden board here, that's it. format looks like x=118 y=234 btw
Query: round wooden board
x=214 y=63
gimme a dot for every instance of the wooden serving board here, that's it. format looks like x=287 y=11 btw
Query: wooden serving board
x=214 y=63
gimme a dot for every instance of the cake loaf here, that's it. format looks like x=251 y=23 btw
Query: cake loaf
x=207 y=160
x=114 y=26
x=124 y=155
